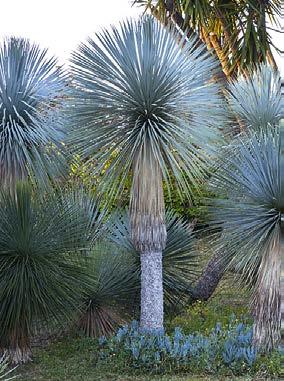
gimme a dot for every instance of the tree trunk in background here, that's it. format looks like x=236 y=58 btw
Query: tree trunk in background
x=152 y=303
x=210 y=278
x=267 y=299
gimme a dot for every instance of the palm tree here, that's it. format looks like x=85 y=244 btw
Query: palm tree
x=236 y=31
x=249 y=211
x=32 y=88
x=143 y=102
x=43 y=278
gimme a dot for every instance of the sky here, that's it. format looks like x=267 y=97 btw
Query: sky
x=61 y=25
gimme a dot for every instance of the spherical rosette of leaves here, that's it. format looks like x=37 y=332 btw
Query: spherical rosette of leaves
x=44 y=274
x=141 y=86
x=256 y=98
x=32 y=89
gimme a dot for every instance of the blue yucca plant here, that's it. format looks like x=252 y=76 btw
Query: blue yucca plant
x=143 y=103
x=32 y=87
x=249 y=181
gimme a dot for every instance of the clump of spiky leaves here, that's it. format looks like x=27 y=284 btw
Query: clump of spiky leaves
x=32 y=88
x=143 y=87
x=180 y=259
x=114 y=285
x=249 y=212
x=5 y=372
x=143 y=101
x=43 y=276
x=256 y=98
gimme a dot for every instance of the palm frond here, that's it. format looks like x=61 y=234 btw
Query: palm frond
x=32 y=87
x=142 y=85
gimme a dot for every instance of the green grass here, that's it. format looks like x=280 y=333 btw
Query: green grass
x=74 y=358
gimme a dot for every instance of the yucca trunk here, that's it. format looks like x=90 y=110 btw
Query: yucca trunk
x=17 y=346
x=148 y=233
x=267 y=299
x=209 y=279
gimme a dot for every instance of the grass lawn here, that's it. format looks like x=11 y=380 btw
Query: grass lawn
x=74 y=358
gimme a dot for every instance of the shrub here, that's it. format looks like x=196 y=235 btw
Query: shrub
x=111 y=293
x=42 y=277
x=203 y=316
x=222 y=351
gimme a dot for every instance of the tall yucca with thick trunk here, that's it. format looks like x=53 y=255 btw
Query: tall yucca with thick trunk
x=250 y=176
x=142 y=103
x=250 y=214
x=255 y=101
x=32 y=88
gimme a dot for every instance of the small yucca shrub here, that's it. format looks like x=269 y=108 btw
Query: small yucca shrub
x=114 y=285
x=43 y=275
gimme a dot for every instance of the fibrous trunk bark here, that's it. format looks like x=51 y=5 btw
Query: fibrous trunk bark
x=267 y=299
x=148 y=234
x=209 y=279
x=19 y=355
x=17 y=345
x=152 y=304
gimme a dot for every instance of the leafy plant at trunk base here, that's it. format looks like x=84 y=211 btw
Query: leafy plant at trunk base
x=180 y=259
x=43 y=275
x=223 y=351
